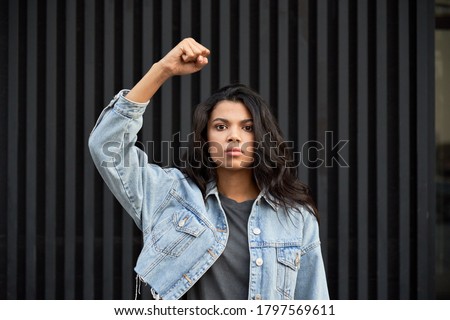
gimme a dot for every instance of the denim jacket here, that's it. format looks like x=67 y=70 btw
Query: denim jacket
x=185 y=233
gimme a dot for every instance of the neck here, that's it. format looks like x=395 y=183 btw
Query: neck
x=237 y=185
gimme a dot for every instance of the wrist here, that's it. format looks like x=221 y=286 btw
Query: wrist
x=163 y=70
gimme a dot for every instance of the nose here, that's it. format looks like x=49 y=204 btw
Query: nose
x=233 y=136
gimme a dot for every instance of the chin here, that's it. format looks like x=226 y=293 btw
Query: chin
x=237 y=165
x=233 y=163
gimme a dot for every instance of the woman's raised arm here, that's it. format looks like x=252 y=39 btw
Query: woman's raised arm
x=139 y=186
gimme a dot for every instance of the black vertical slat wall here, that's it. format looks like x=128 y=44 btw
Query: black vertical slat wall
x=351 y=83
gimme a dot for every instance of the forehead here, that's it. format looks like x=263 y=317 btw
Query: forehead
x=230 y=110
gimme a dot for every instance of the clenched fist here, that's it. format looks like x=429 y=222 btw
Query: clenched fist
x=186 y=57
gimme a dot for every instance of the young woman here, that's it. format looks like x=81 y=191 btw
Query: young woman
x=232 y=221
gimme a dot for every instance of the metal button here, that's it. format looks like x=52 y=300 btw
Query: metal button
x=181 y=223
x=259 y=262
x=256 y=230
x=258 y=297
x=297 y=260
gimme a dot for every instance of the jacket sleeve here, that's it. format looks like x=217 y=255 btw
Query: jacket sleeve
x=123 y=166
x=311 y=278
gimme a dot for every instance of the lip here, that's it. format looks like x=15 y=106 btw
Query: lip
x=233 y=152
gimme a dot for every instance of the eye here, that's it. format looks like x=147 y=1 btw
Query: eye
x=220 y=127
x=248 y=128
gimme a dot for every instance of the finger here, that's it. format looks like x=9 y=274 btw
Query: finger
x=185 y=57
x=201 y=62
x=199 y=49
x=192 y=53
x=204 y=51
x=187 y=52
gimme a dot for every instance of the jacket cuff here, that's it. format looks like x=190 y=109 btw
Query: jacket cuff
x=127 y=107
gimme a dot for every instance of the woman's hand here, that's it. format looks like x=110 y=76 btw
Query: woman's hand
x=187 y=57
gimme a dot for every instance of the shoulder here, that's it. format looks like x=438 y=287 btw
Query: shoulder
x=184 y=186
x=310 y=232
x=164 y=178
x=303 y=212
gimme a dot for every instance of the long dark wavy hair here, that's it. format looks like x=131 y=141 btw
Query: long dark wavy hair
x=273 y=166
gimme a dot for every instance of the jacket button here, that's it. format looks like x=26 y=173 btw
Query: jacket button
x=181 y=223
x=258 y=297
x=256 y=231
x=259 y=262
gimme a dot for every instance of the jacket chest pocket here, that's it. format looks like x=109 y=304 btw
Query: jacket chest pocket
x=174 y=234
x=288 y=265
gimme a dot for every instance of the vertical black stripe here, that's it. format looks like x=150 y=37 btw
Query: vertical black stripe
x=185 y=99
x=425 y=146
x=13 y=149
x=70 y=163
x=224 y=43
x=303 y=99
x=292 y=75
x=254 y=44
x=51 y=146
x=206 y=40
x=363 y=150
x=31 y=149
x=264 y=49
x=215 y=21
x=196 y=34
x=89 y=121
x=245 y=39
x=176 y=99
x=309 y=154
x=381 y=149
x=322 y=126
x=167 y=89
x=352 y=159
x=343 y=134
x=127 y=224
x=41 y=124
x=60 y=151
x=282 y=63
x=108 y=199
x=404 y=149
x=3 y=146
x=392 y=219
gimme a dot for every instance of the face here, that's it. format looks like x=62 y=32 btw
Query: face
x=231 y=136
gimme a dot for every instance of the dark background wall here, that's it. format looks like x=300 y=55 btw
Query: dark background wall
x=361 y=71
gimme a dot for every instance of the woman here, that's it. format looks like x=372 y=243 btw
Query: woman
x=232 y=221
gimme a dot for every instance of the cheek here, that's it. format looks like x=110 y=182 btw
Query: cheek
x=215 y=149
x=248 y=148
x=250 y=144
x=216 y=153
x=212 y=136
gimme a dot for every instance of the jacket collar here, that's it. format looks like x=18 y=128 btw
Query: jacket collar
x=211 y=189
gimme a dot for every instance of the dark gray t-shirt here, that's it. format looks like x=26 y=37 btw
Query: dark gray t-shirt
x=228 y=278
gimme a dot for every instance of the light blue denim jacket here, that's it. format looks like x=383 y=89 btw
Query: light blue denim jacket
x=184 y=233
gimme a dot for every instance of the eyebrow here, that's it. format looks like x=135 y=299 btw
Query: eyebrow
x=227 y=121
